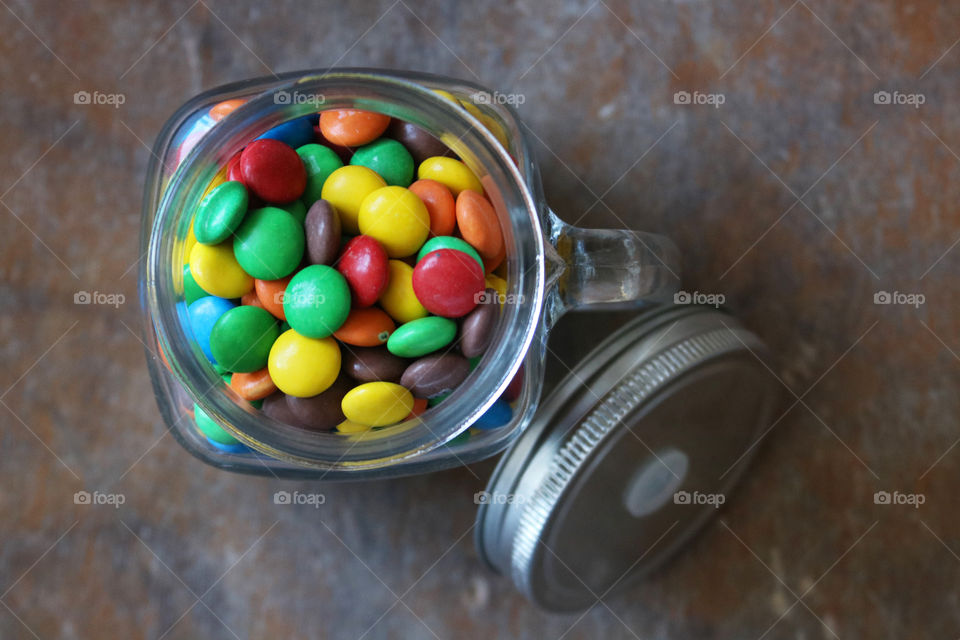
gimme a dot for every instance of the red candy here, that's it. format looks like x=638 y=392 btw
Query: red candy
x=233 y=169
x=365 y=265
x=448 y=282
x=273 y=171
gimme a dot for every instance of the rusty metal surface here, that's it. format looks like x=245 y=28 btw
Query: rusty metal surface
x=799 y=198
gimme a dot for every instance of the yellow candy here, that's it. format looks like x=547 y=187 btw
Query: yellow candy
x=377 y=404
x=445 y=95
x=498 y=283
x=399 y=300
x=189 y=242
x=352 y=427
x=346 y=189
x=302 y=366
x=397 y=218
x=217 y=271
x=451 y=173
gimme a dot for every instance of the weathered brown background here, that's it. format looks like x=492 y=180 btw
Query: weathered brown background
x=878 y=210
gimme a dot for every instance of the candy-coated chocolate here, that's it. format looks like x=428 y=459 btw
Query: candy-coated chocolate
x=321 y=412
x=397 y=218
x=203 y=315
x=319 y=162
x=270 y=294
x=432 y=375
x=293 y=133
x=211 y=429
x=389 y=159
x=352 y=427
x=478 y=224
x=477 y=327
x=221 y=110
x=273 y=171
x=296 y=209
x=317 y=301
x=253 y=386
x=419 y=407
x=497 y=415
x=420 y=337
x=499 y=285
x=216 y=270
x=346 y=189
x=352 y=127
x=418 y=142
x=233 y=169
x=398 y=299
x=377 y=404
x=440 y=206
x=322 y=228
x=302 y=366
x=241 y=339
x=367 y=327
x=220 y=212
x=191 y=290
x=512 y=392
x=275 y=406
x=372 y=364
x=269 y=243
x=449 y=242
x=447 y=283
x=364 y=264
x=451 y=173
x=250 y=299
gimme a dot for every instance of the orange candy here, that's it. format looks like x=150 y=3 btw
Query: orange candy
x=440 y=205
x=491 y=264
x=419 y=406
x=250 y=299
x=478 y=224
x=253 y=386
x=221 y=110
x=352 y=127
x=367 y=327
x=270 y=293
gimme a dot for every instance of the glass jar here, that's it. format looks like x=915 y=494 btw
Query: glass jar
x=551 y=267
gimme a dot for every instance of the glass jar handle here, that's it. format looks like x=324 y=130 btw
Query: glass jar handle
x=609 y=268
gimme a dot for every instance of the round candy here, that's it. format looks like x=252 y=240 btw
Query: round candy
x=373 y=364
x=389 y=159
x=221 y=110
x=302 y=366
x=448 y=283
x=293 y=133
x=346 y=189
x=250 y=299
x=513 y=390
x=253 y=386
x=420 y=337
x=352 y=127
x=321 y=412
x=220 y=212
x=216 y=270
x=320 y=162
x=269 y=244
x=364 y=264
x=440 y=205
x=397 y=218
x=275 y=406
x=233 y=169
x=451 y=173
x=433 y=375
x=478 y=224
x=477 y=328
x=418 y=142
x=449 y=242
x=191 y=290
x=367 y=327
x=322 y=227
x=377 y=404
x=497 y=415
x=242 y=337
x=270 y=295
x=273 y=171
x=211 y=429
x=317 y=301
x=398 y=299
x=352 y=427
x=419 y=407
x=296 y=209
x=203 y=315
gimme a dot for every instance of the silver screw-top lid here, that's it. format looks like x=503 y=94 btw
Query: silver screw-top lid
x=629 y=456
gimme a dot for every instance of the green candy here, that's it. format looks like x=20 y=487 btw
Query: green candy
x=220 y=213
x=435 y=400
x=460 y=439
x=191 y=290
x=420 y=337
x=450 y=242
x=317 y=301
x=211 y=429
x=241 y=339
x=320 y=162
x=297 y=209
x=269 y=243
x=389 y=159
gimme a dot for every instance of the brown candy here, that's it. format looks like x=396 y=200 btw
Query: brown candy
x=418 y=142
x=321 y=412
x=276 y=407
x=477 y=327
x=433 y=375
x=322 y=227
x=373 y=364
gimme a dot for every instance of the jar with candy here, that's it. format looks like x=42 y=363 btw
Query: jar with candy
x=352 y=274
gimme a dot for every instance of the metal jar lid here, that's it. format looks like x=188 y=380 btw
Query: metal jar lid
x=628 y=457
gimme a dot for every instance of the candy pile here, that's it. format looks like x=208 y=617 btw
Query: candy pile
x=342 y=274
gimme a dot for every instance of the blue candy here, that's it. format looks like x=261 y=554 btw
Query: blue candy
x=203 y=314
x=229 y=448
x=295 y=133
x=497 y=415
